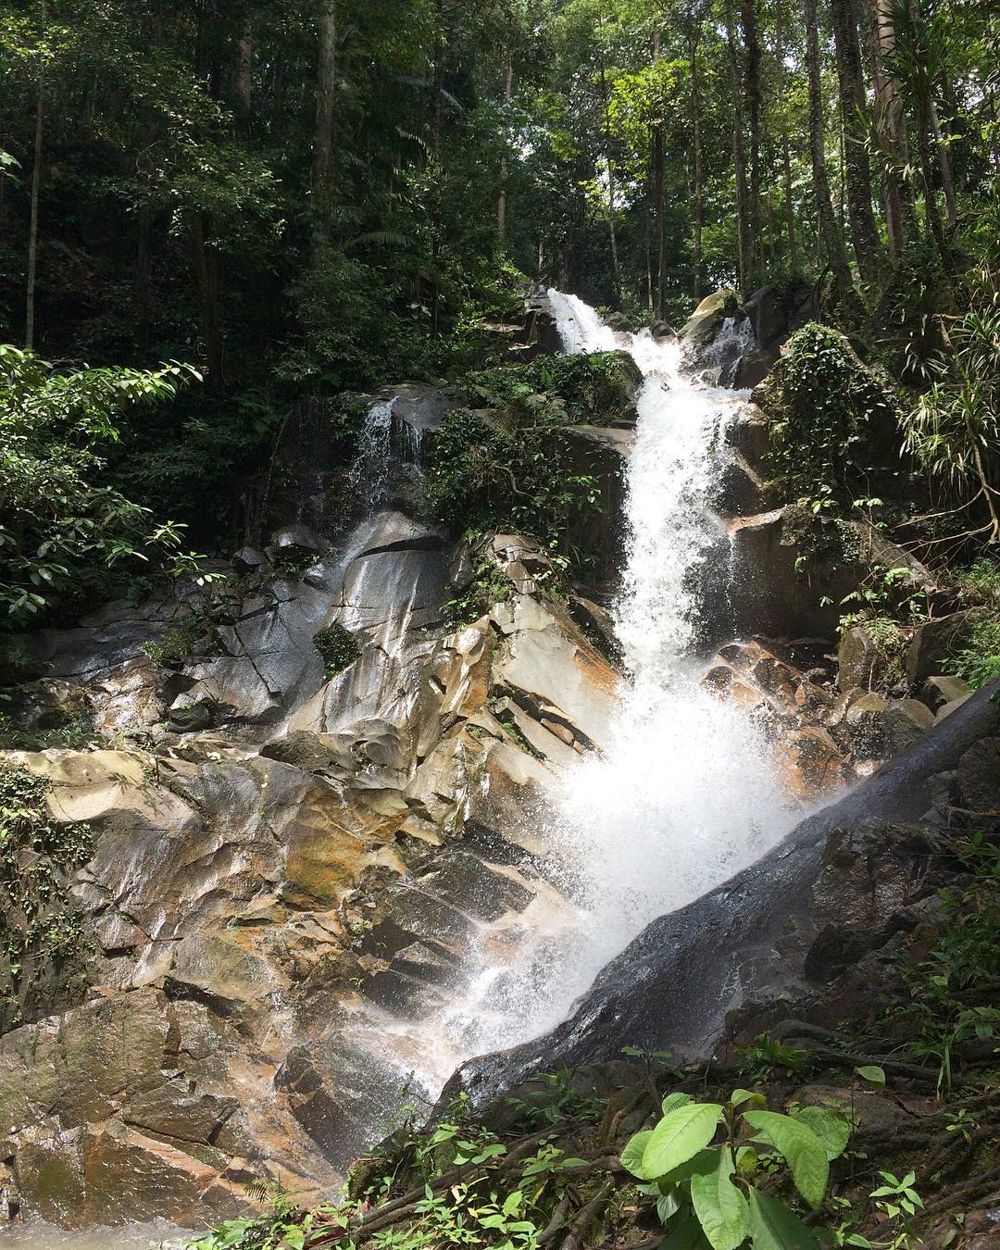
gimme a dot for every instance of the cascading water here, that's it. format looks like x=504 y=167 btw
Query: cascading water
x=685 y=795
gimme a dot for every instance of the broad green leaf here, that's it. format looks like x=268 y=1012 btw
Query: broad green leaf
x=680 y=1135
x=834 y=1131
x=719 y=1205
x=684 y=1233
x=774 y=1227
x=803 y=1151
x=666 y=1206
x=632 y=1154
x=871 y=1072
x=739 y=1096
x=673 y=1101
x=702 y=1163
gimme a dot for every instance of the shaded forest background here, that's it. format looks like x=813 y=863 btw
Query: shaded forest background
x=320 y=196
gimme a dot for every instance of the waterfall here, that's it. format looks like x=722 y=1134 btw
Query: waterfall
x=369 y=475
x=687 y=792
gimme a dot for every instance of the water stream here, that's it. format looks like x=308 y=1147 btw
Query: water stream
x=685 y=795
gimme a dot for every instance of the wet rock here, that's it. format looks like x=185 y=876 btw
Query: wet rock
x=978 y=776
x=249 y=560
x=813 y=763
x=707 y=319
x=295 y=540
x=936 y=641
x=947 y=708
x=939 y=690
x=858 y=659
x=868 y=879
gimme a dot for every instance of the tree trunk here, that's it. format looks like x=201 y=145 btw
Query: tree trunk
x=36 y=182
x=891 y=125
x=206 y=272
x=944 y=163
x=786 y=156
x=752 y=95
x=326 y=93
x=244 y=74
x=140 y=281
x=508 y=95
x=744 y=238
x=658 y=205
x=697 y=211
x=857 y=170
x=612 y=229
x=829 y=230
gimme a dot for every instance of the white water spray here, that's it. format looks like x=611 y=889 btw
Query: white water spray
x=687 y=792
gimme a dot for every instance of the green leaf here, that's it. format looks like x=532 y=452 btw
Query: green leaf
x=774 y=1227
x=632 y=1154
x=680 y=1135
x=803 y=1151
x=834 y=1131
x=739 y=1096
x=684 y=1234
x=719 y=1205
x=673 y=1101
x=872 y=1072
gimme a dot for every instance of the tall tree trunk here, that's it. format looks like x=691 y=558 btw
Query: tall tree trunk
x=752 y=95
x=857 y=170
x=140 y=280
x=508 y=95
x=206 y=271
x=786 y=156
x=833 y=243
x=891 y=126
x=921 y=92
x=326 y=95
x=244 y=73
x=36 y=182
x=612 y=206
x=944 y=162
x=744 y=238
x=658 y=205
x=697 y=209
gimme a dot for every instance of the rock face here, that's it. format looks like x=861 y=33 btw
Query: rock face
x=289 y=853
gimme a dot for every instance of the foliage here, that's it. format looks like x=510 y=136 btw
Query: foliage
x=978 y=662
x=482 y=475
x=338 y=647
x=829 y=415
x=949 y=992
x=61 y=531
x=719 y=1186
x=768 y=1056
x=44 y=946
x=492 y=1203
x=954 y=429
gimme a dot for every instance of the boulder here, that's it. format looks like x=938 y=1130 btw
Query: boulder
x=940 y=690
x=858 y=659
x=706 y=321
x=936 y=641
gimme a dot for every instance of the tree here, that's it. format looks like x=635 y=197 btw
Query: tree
x=853 y=109
x=833 y=242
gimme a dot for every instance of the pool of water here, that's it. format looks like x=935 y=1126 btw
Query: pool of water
x=34 y=1236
